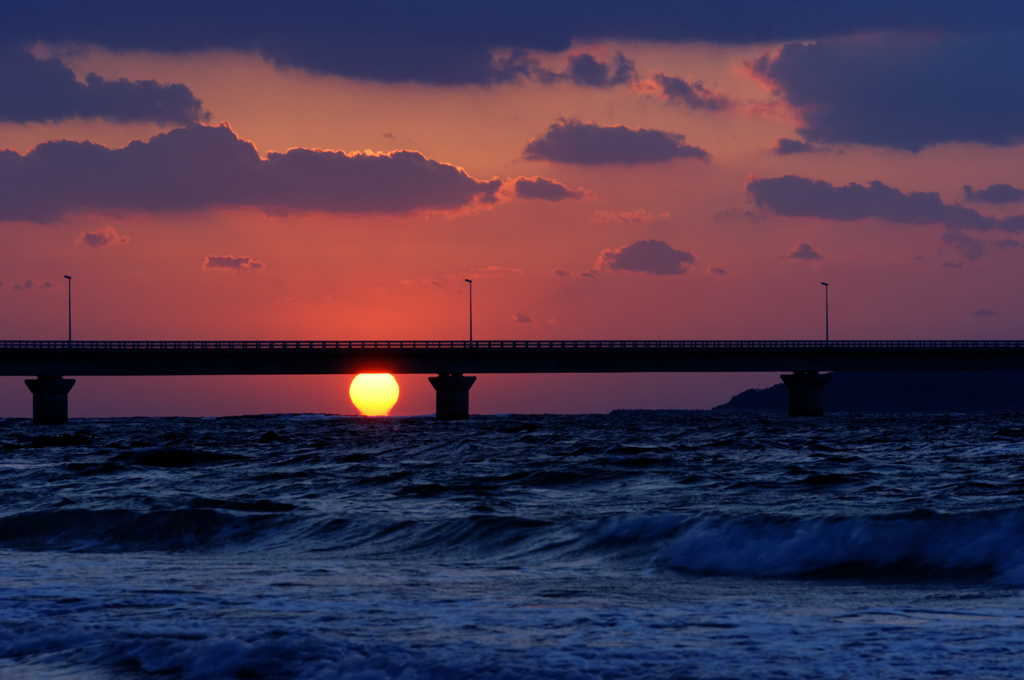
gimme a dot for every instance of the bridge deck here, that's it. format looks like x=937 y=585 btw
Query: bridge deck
x=254 y=357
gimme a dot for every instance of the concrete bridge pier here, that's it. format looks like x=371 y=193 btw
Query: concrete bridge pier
x=806 y=393
x=452 y=395
x=50 y=399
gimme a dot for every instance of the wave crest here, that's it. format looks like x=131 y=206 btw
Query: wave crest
x=917 y=543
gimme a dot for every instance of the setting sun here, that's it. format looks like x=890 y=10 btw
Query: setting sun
x=374 y=394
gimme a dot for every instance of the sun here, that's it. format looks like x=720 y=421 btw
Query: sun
x=374 y=394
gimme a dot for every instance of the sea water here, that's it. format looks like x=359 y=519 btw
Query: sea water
x=687 y=545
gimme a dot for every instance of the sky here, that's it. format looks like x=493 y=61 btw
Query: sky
x=650 y=170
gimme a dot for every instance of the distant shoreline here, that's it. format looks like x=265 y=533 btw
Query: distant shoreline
x=901 y=392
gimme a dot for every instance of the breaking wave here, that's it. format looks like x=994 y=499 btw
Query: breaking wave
x=912 y=544
x=905 y=545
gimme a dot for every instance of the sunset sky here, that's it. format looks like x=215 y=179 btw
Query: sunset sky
x=645 y=170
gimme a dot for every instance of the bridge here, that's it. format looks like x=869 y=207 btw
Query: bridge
x=806 y=360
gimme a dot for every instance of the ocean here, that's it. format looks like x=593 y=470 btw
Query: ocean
x=657 y=545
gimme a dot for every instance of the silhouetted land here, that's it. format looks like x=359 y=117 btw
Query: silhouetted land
x=901 y=392
x=653 y=411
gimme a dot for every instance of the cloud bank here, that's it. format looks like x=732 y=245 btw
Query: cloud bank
x=648 y=257
x=572 y=141
x=794 y=196
x=44 y=91
x=903 y=91
x=202 y=166
x=451 y=43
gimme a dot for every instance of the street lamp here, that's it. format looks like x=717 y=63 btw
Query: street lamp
x=826 y=310
x=470 y=310
x=69 y=309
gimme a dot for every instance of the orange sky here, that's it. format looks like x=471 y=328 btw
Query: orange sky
x=337 y=276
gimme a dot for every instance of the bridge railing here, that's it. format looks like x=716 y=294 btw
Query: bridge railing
x=335 y=345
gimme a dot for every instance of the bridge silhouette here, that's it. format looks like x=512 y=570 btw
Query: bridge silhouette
x=451 y=360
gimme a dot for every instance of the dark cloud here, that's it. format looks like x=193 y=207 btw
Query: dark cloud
x=519 y=317
x=203 y=167
x=586 y=70
x=737 y=214
x=559 y=272
x=786 y=147
x=545 y=189
x=799 y=197
x=102 y=238
x=1009 y=243
x=583 y=69
x=717 y=271
x=952 y=265
x=451 y=42
x=969 y=247
x=1013 y=224
x=31 y=285
x=648 y=257
x=630 y=217
x=694 y=95
x=804 y=252
x=997 y=193
x=44 y=90
x=571 y=141
x=904 y=91
x=983 y=312
x=231 y=264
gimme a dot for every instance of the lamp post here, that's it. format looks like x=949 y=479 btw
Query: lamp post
x=69 y=309
x=826 y=310
x=470 y=311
